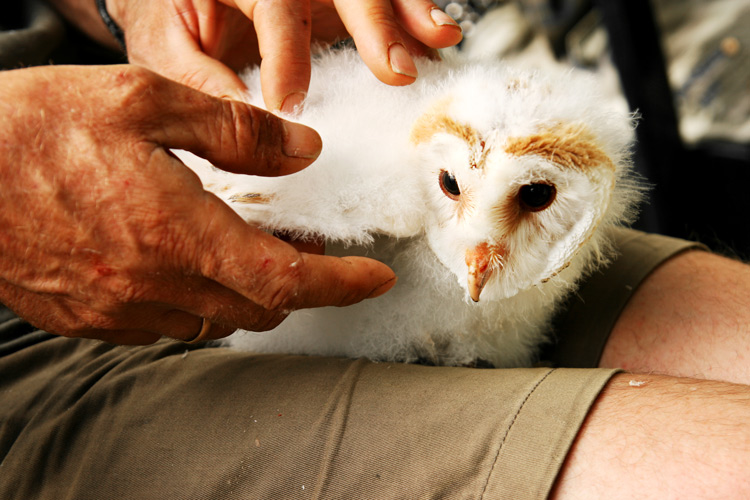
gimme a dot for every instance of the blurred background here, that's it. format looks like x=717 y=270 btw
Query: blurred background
x=683 y=65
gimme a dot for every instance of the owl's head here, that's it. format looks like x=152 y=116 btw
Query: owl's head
x=518 y=178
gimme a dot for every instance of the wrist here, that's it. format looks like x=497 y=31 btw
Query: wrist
x=84 y=15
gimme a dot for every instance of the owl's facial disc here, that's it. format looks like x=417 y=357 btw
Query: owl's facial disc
x=481 y=262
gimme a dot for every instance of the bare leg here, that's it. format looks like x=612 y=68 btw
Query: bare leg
x=657 y=437
x=690 y=317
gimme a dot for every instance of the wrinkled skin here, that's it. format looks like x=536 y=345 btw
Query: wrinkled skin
x=106 y=235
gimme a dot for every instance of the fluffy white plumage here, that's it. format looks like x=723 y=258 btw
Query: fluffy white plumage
x=478 y=182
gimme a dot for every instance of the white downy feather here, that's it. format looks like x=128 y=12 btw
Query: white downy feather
x=375 y=191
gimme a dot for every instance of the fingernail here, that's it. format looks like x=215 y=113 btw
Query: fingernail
x=292 y=103
x=440 y=18
x=382 y=288
x=301 y=141
x=400 y=61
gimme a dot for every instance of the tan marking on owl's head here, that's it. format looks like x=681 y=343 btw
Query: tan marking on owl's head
x=250 y=198
x=436 y=120
x=568 y=145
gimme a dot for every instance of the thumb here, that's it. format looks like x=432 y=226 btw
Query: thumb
x=232 y=135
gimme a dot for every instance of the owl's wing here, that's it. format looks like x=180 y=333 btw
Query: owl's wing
x=318 y=202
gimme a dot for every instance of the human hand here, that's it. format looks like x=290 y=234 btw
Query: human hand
x=106 y=235
x=201 y=43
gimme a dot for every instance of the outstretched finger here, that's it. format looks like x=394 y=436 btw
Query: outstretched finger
x=283 y=29
x=380 y=40
x=427 y=23
x=277 y=277
x=231 y=135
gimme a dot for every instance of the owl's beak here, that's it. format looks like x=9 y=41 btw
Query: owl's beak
x=482 y=261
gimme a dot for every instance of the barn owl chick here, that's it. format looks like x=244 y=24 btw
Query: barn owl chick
x=489 y=191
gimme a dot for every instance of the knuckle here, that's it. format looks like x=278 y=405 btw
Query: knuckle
x=69 y=326
x=113 y=295
x=123 y=293
x=281 y=289
x=108 y=311
x=132 y=85
x=237 y=126
x=381 y=14
x=251 y=132
x=60 y=318
x=82 y=322
x=247 y=135
x=97 y=320
x=269 y=135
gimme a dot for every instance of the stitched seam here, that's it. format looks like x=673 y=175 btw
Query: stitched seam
x=505 y=436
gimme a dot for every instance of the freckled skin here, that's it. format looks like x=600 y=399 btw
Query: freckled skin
x=115 y=239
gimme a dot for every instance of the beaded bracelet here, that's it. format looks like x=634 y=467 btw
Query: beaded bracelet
x=112 y=26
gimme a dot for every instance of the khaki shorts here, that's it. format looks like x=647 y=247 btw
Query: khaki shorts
x=81 y=419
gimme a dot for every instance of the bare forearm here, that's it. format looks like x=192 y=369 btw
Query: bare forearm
x=690 y=318
x=651 y=436
x=84 y=14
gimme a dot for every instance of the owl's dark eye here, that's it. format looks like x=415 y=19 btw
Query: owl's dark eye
x=536 y=197
x=449 y=185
